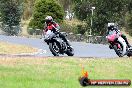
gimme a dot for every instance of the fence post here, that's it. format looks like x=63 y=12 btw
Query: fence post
x=37 y=31
x=78 y=37
x=89 y=38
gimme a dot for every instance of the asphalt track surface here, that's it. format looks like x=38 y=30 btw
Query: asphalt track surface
x=81 y=49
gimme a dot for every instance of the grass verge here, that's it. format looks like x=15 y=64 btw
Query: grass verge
x=26 y=72
x=9 y=48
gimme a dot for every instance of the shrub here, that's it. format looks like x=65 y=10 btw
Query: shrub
x=11 y=11
x=80 y=29
x=42 y=8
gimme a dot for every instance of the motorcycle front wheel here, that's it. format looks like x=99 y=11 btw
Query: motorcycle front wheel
x=54 y=48
x=118 y=51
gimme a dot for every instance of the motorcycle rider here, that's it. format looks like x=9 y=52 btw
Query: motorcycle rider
x=111 y=27
x=50 y=24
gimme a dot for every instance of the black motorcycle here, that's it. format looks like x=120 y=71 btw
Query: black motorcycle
x=57 y=45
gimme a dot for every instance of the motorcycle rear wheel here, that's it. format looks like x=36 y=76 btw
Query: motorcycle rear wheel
x=70 y=51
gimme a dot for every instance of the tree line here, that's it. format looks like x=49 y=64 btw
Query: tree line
x=118 y=11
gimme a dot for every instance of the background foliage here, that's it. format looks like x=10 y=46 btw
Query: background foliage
x=43 y=8
x=106 y=11
x=11 y=11
x=119 y=11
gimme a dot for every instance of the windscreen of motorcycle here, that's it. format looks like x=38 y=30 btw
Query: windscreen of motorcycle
x=111 y=36
x=49 y=34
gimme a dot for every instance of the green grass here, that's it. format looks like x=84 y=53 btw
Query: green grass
x=60 y=72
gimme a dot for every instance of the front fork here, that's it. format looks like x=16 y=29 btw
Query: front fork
x=112 y=44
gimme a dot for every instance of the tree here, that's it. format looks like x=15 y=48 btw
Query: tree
x=11 y=11
x=42 y=8
x=65 y=4
x=106 y=11
x=82 y=9
x=129 y=18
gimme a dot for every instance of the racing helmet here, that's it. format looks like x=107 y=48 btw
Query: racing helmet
x=48 y=19
x=111 y=26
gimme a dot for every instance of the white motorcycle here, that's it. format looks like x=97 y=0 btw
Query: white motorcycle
x=118 y=44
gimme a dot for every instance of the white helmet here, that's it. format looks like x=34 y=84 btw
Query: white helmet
x=110 y=24
x=48 y=19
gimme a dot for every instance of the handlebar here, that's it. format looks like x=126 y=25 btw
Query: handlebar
x=55 y=28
